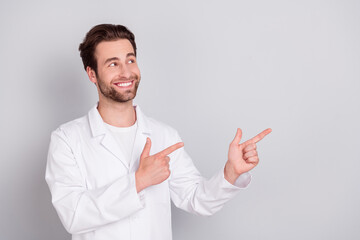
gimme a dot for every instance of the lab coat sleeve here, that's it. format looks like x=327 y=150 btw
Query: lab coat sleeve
x=81 y=209
x=192 y=193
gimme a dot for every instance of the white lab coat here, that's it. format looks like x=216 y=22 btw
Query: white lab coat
x=93 y=189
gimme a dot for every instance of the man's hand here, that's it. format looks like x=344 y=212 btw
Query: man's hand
x=153 y=169
x=242 y=157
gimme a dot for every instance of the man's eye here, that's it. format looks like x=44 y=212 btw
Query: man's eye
x=112 y=65
x=131 y=61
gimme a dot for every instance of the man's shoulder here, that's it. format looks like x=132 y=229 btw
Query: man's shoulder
x=72 y=128
x=83 y=126
x=162 y=132
x=75 y=124
x=159 y=126
x=155 y=123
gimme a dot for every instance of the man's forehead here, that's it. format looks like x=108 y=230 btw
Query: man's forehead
x=110 y=48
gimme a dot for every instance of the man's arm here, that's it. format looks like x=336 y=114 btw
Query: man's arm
x=81 y=209
x=191 y=192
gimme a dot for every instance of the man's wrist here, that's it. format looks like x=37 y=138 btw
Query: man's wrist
x=138 y=183
x=230 y=174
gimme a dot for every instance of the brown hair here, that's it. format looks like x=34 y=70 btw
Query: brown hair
x=99 y=33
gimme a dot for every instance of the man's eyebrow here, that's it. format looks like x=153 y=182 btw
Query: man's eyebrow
x=117 y=59
x=111 y=59
x=130 y=54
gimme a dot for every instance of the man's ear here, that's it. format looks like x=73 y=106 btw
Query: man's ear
x=91 y=74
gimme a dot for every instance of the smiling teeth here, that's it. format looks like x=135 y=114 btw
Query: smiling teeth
x=124 y=84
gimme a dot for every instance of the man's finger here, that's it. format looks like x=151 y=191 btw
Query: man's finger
x=260 y=136
x=249 y=147
x=146 y=151
x=170 y=149
x=253 y=160
x=237 y=137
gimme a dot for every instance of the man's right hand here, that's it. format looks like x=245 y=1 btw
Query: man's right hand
x=153 y=169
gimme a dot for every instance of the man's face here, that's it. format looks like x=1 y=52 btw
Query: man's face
x=118 y=75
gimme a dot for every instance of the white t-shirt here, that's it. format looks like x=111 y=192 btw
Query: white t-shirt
x=125 y=137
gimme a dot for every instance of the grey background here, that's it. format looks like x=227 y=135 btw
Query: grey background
x=207 y=67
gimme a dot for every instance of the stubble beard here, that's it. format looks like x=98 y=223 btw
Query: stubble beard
x=110 y=92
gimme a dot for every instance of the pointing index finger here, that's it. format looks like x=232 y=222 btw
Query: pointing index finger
x=260 y=136
x=171 y=149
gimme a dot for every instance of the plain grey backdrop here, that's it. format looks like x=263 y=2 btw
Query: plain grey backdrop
x=207 y=68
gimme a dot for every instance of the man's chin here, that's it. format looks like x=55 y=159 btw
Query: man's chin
x=124 y=99
x=119 y=96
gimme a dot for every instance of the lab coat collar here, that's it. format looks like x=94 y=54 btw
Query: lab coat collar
x=98 y=128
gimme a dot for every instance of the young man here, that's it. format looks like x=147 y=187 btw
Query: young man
x=113 y=172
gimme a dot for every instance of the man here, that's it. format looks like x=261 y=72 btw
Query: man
x=113 y=172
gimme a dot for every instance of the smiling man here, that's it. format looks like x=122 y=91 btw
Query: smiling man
x=113 y=173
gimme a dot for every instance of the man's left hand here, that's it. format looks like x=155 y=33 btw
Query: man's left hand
x=242 y=157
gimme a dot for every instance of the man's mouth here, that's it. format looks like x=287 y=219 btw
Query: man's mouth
x=124 y=84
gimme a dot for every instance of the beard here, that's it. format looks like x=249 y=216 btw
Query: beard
x=110 y=91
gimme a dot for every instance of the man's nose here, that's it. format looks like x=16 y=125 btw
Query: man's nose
x=124 y=71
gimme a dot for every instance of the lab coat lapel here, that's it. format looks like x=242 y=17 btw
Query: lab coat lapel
x=98 y=128
x=142 y=133
x=110 y=144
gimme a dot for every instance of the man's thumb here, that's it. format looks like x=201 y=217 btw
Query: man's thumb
x=237 y=137
x=146 y=151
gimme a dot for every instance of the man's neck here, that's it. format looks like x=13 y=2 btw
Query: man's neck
x=117 y=114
